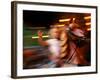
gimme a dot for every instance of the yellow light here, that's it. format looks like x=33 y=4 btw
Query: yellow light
x=88 y=23
x=59 y=25
x=64 y=20
x=87 y=17
x=88 y=29
x=35 y=37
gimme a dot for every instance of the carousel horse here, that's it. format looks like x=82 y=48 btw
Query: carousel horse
x=74 y=45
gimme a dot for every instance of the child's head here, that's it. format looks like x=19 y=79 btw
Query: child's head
x=54 y=33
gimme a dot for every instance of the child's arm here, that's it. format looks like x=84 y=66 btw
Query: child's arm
x=40 y=40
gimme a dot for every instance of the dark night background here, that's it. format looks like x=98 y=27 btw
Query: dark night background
x=45 y=19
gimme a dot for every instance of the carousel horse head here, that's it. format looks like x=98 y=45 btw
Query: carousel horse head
x=73 y=26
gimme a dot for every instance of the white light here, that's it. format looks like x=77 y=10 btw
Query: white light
x=35 y=37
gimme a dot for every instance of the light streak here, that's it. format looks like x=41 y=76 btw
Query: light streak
x=35 y=37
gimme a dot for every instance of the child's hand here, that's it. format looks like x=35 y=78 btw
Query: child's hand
x=40 y=33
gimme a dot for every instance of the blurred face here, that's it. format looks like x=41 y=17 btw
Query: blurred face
x=55 y=33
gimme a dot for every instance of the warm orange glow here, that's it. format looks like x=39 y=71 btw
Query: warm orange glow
x=59 y=25
x=88 y=23
x=88 y=29
x=73 y=19
x=64 y=20
x=87 y=17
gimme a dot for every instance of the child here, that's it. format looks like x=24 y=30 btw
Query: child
x=53 y=44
